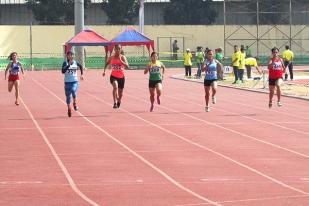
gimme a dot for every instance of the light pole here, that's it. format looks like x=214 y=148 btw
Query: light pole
x=79 y=26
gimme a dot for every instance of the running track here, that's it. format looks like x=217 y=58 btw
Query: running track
x=241 y=153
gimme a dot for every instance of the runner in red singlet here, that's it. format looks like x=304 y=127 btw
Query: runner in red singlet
x=118 y=63
x=276 y=69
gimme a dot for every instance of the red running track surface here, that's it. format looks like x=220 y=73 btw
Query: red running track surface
x=240 y=153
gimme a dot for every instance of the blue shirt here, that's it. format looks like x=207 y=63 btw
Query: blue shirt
x=211 y=70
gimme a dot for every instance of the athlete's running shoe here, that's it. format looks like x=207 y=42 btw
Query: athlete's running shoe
x=158 y=100
x=75 y=106
x=118 y=104
x=214 y=100
x=151 y=108
x=69 y=112
x=270 y=104
x=115 y=106
x=279 y=104
x=207 y=109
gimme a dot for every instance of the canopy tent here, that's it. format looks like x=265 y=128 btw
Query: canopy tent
x=131 y=37
x=87 y=37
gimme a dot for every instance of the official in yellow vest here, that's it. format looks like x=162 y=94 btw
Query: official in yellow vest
x=187 y=57
x=251 y=62
x=235 y=62
x=288 y=57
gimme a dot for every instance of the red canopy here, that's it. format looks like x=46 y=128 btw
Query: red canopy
x=86 y=38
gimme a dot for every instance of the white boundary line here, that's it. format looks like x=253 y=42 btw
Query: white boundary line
x=57 y=158
x=203 y=147
x=251 y=118
x=256 y=91
x=166 y=176
x=231 y=130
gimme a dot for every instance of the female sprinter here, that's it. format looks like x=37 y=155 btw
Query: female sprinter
x=210 y=67
x=14 y=67
x=118 y=63
x=276 y=69
x=156 y=70
x=69 y=69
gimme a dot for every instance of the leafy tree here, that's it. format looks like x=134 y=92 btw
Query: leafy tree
x=121 y=11
x=189 y=12
x=53 y=11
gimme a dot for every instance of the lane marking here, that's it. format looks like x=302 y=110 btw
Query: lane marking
x=166 y=176
x=204 y=147
x=57 y=158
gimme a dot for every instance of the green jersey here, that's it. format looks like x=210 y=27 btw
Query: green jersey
x=155 y=70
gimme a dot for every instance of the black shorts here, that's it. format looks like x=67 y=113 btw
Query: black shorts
x=120 y=81
x=153 y=83
x=272 y=81
x=208 y=82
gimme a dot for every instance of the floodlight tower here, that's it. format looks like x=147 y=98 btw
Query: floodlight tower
x=79 y=26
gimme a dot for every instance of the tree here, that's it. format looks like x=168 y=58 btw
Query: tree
x=121 y=11
x=189 y=12
x=53 y=11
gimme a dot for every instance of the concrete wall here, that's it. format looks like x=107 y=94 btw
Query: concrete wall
x=48 y=40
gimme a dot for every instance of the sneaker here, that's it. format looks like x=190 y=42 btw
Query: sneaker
x=16 y=102
x=151 y=108
x=158 y=100
x=118 y=104
x=75 y=106
x=115 y=106
x=279 y=104
x=270 y=104
x=207 y=109
x=69 y=112
x=214 y=100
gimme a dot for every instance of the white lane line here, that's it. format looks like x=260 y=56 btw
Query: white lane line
x=166 y=176
x=204 y=147
x=230 y=130
x=250 y=200
x=60 y=163
x=246 y=117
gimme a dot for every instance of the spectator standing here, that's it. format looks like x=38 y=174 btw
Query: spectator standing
x=288 y=57
x=187 y=62
x=219 y=57
x=175 y=49
x=199 y=61
x=235 y=62
x=248 y=52
x=241 y=68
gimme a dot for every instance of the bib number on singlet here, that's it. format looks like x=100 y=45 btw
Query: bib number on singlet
x=71 y=71
x=276 y=66
x=116 y=67
x=155 y=69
